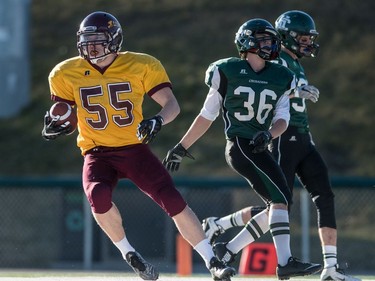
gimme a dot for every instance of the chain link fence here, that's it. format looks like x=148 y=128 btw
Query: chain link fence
x=43 y=222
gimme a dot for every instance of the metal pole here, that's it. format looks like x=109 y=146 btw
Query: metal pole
x=305 y=225
x=87 y=235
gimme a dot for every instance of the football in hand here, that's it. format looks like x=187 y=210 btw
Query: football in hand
x=65 y=113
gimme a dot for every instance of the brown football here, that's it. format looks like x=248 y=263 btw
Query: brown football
x=65 y=113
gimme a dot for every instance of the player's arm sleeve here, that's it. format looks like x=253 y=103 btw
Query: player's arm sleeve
x=283 y=62
x=155 y=77
x=282 y=110
x=213 y=102
x=283 y=104
x=292 y=87
x=60 y=91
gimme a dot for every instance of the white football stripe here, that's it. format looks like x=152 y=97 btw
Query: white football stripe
x=65 y=116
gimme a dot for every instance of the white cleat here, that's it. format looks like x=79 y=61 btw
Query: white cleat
x=212 y=229
x=336 y=274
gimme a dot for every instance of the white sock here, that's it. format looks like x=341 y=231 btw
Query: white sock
x=231 y=220
x=329 y=255
x=255 y=228
x=204 y=249
x=124 y=247
x=280 y=231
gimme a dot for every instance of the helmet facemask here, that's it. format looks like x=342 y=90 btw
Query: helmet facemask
x=268 y=52
x=87 y=44
x=247 y=41
x=99 y=35
x=301 y=49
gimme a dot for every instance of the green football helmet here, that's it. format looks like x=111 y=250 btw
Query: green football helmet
x=246 y=40
x=293 y=24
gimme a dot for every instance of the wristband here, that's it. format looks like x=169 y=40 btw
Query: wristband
x=161 y=119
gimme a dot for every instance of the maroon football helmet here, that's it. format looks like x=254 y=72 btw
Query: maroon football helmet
x=99 y=28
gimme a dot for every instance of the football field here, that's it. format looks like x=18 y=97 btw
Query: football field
x=34 y=275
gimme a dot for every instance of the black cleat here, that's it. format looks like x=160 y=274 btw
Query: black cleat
x=223 y=254
x=144 y=269
x=219 y=271
x=294 y=267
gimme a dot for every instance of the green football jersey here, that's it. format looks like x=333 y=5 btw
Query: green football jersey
x=250 y=99
x=298 y=109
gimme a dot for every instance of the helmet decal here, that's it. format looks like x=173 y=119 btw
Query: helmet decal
x=283 y=23
x=111 y=24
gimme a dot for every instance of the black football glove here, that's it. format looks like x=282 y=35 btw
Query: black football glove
x=51 y=131
x=174 y=157
x=261 y=141
x=148 y=128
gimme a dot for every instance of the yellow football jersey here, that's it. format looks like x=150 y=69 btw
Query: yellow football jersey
x=109 y=104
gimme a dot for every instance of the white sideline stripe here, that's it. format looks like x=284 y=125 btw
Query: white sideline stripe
x=136 y=278
x=133 y=278
x=67 y=275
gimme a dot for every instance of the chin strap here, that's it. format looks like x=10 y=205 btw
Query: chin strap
x=98 y=60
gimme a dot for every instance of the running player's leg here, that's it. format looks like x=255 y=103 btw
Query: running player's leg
x=267 y=179
x=313 y=173
x=154 y=180
x=99 y=179
x=215 y=226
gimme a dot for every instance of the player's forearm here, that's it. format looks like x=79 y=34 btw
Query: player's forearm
x=168 y=102
x=169 y=111
x=278 y=128
x=197 y=129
